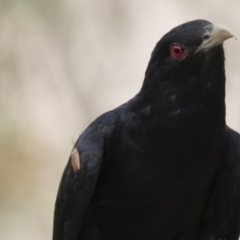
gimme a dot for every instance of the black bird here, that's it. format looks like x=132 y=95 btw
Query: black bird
x=164 y=165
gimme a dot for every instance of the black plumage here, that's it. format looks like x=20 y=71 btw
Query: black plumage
x=164 y=165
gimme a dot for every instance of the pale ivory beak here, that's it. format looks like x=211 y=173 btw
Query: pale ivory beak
x=214 y=35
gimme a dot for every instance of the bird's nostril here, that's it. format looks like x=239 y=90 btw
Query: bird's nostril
x=206 y=36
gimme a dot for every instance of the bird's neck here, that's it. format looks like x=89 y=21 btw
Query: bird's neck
x=200 y=92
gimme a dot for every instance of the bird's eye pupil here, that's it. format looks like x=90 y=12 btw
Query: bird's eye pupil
x=176 y=50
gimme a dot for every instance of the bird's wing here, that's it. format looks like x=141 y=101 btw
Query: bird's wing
x=221 y=218
x=77 y=186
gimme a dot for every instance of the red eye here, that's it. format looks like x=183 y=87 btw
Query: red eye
x=176 y=50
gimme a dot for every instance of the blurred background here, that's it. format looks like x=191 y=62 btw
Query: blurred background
x=62 y=63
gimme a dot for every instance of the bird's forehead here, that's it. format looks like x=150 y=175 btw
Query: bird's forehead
x=188 y=33
x=192 y=25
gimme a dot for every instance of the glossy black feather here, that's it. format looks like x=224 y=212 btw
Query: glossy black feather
x=163 y=165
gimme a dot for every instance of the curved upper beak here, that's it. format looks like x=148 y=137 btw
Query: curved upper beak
x=214 y=34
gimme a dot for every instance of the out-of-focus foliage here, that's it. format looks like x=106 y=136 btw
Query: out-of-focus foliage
x=62 y=63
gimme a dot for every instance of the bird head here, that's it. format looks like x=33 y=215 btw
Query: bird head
x=188 y=61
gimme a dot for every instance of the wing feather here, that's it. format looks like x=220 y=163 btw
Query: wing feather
x=221 y=218
x=77 y=188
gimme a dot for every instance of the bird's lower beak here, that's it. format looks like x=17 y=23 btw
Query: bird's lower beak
x=214 y=35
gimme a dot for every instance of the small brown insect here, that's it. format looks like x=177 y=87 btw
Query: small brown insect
x=75 y=160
